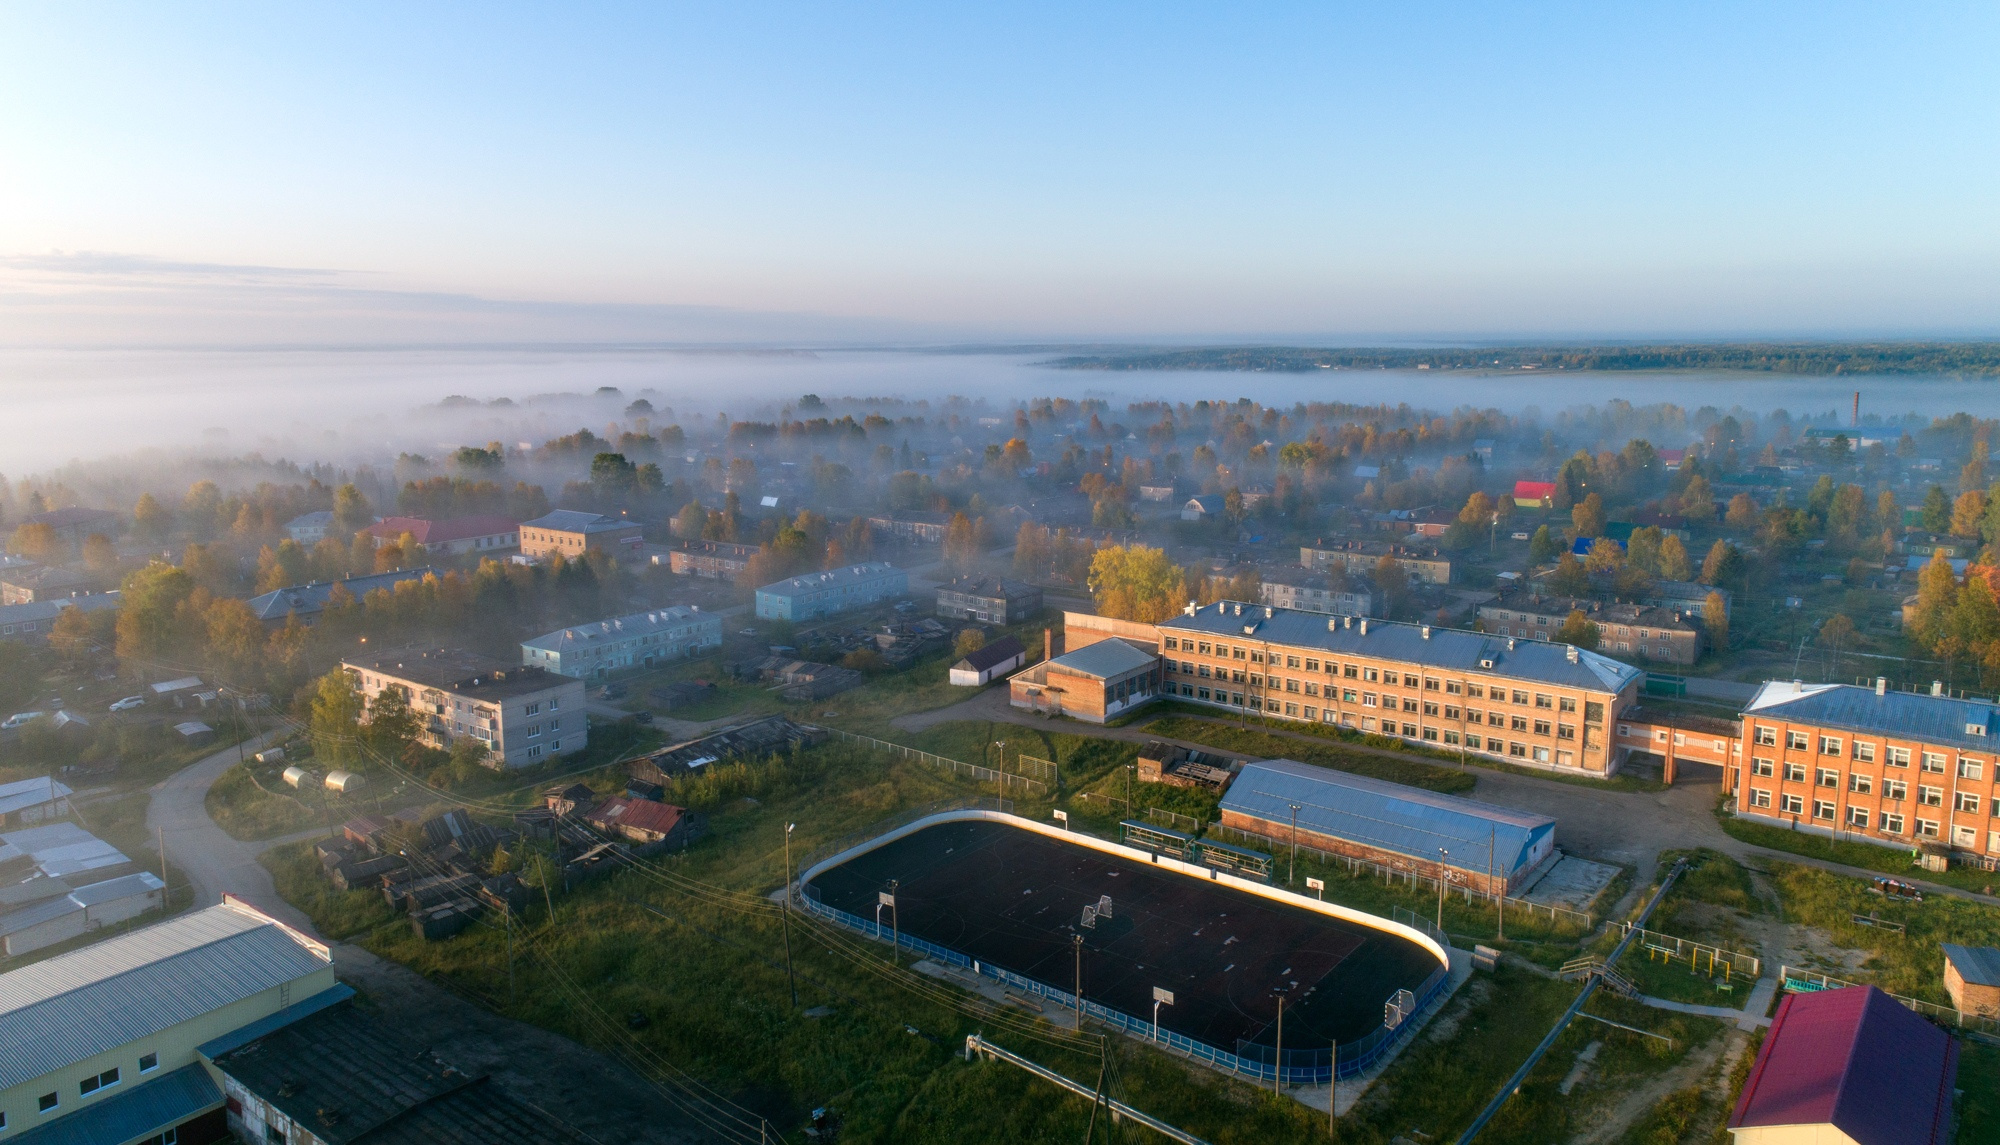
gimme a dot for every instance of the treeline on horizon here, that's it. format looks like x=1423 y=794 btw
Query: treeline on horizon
x=1980 y=359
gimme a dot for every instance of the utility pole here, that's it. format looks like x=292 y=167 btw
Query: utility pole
x=786 y=914
x=508 y=915
x=1293 y=869
x=895 y=926
x=1500 y=894
x=163 y=863
x=1129 y=769
x=1441 y=854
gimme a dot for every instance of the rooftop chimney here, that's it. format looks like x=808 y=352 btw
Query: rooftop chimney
x=1573 y=657
x=1881 y=685
x=1937 y=687
x=1364 y=626
x=1427 y=631
x=1510 y=644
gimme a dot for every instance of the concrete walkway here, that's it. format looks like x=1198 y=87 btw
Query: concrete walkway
x=206 y=854
x=1744 y=1019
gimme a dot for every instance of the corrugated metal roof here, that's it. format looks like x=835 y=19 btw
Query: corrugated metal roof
x=143 y=882
x=617 y=628
x=576 y=521
x=1855 y=1059
x=1979 y=965
x=1445 y=648
x=1105 y=659
x=1906 y=715
x=61 y=849
x=831 y=578
x=63 y=1010
x=159 y=1104
x=28 y=917
x=1406 y=820
x=30 y=793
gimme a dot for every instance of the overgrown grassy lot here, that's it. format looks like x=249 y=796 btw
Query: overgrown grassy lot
x=1414 y=771
x=689 y=945
x=1867 y=856
x=247 y=811
x=1446 y=757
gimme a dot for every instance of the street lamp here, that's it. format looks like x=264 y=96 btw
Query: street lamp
x=786 y=914
x=1441 y=857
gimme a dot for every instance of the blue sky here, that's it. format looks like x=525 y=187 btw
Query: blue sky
x=932 y=172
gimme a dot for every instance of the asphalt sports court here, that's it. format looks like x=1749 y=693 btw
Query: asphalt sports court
x=1013 y=898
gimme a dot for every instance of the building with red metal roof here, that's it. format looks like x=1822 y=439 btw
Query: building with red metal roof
x=1534 y=494
x=1848 y=1066
x=452 y=535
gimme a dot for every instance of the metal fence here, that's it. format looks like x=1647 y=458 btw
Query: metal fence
x=1699 y=955
x=1411 y=875
x=1176 y=820
x=1300 y=1066
x=1002 y=779
x=1044 y=768
x=1800 y=981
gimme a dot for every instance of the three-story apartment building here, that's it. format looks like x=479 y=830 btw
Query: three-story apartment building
x=524 y=715
x=1898 y=768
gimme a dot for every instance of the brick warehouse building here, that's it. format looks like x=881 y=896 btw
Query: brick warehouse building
x=1897 y=768
x=1486 y=848
x=1528 y=702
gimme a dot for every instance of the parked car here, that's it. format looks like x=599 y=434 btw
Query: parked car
x=128 y=703
x=19 y=719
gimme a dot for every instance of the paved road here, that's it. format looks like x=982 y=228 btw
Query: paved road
x=1630 y=827
x=206 y=854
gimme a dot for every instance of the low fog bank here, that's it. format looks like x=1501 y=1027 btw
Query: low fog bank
x=354 y=406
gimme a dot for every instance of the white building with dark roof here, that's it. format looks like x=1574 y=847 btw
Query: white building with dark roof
x=640 y=640
x=835 y=590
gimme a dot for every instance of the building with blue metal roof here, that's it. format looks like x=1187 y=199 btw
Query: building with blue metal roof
x=1480 y=846
x=1901 y=769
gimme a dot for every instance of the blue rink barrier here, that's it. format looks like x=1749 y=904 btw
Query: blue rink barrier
x=1300 y=1066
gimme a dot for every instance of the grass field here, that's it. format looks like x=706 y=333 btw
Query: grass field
x=245 y=810
x=1446 y=758
x=1867 y=856
x=1263 y=745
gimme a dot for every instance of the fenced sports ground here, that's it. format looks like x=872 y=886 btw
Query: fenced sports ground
x=1005 y=897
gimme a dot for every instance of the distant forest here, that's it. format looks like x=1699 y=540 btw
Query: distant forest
x=1963 y=358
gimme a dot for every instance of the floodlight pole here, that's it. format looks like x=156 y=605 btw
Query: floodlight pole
x=1278 y=1064
x=786 y=914
x=1293 y=869
x=1332 y=1088
x=1076 y=940
x=895 y=926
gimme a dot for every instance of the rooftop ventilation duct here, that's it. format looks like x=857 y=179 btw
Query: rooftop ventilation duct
x=1364 y=626
x=1881 y=685
x=1510 y=644
x=1427 y=631
x=1573 y=657
x=1937 y=687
